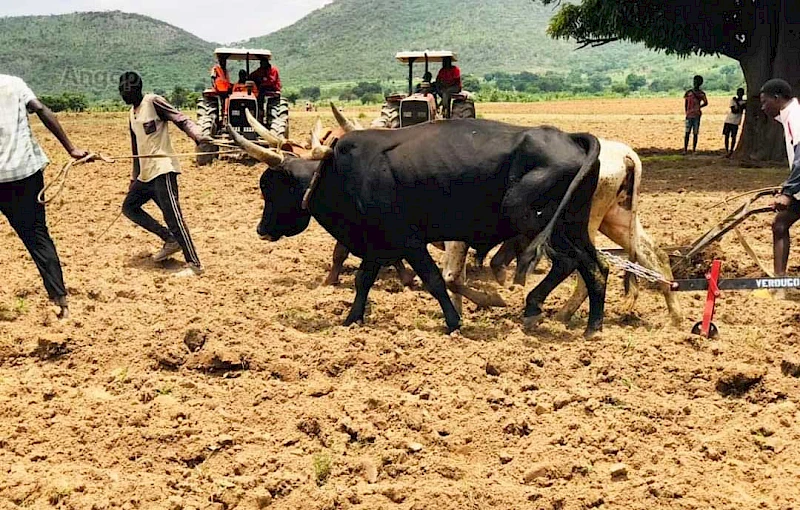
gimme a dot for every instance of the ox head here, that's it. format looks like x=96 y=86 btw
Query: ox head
x=288 y=175
x=282 y=185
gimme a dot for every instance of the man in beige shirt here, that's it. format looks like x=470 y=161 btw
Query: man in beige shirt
x=156 y=178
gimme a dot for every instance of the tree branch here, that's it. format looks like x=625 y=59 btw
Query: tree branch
x=594 y=43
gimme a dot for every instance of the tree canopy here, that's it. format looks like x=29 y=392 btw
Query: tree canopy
x=682 y=27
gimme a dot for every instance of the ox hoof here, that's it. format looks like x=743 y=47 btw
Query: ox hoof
x=564 y=316
x=676 y=320
x=500 y=276
x=593 y=334
x=530 y=323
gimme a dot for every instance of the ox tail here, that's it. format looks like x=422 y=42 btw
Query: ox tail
x=541 y=242
x=633 y=169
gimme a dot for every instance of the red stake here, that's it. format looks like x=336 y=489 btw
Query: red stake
x=711 y=298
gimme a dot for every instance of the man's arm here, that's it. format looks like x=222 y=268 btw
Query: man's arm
x=169 y=113
x=703 y=100
x=50 y=121
x=792 y=185
x=134 y=152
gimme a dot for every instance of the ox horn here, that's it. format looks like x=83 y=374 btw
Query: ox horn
x=342 y=120
x=319 y=151
x=268 y=156
x=262 y=131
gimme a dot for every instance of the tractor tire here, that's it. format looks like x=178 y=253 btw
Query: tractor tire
x=278 y=115
x=207 y=119
x=390 y=117
x=464 y=109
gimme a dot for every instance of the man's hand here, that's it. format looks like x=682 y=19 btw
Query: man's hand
x=78 y=153
x=782 y=202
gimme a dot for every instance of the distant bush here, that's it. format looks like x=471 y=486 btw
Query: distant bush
x=66 y=101
x=372 y=98
x=311 y=93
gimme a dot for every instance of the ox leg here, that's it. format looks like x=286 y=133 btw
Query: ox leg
x=580 y=293
x=501 y=259
x=595 y=273
x=563 y=266
x=365 y=278
x=340 y=254
x=406 y=276
x=652 y=257
x=422 y=262
x=455 y=271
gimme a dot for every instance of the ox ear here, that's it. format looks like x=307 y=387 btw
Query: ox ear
x=262 y=131
x=342 y=120
x=319 y=151
x=256 y=151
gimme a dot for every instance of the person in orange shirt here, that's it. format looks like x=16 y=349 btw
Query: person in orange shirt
x=448 y=82
x=222 y=83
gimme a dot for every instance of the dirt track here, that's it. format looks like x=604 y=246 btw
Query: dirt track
x=277 y=406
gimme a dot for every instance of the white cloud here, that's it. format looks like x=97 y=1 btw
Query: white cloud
x=214 y=20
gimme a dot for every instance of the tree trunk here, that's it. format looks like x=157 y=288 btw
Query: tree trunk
x=774 y=52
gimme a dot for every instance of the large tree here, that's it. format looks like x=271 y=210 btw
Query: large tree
x=763 y=35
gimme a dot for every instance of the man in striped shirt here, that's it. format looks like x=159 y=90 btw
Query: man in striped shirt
x=156 y=178
x=22 y=164
x=778 y=102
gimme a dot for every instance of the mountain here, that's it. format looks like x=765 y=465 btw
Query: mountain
x=345 y=41
x=357 y=39
x=86 y=52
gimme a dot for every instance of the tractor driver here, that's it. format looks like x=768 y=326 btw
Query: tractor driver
x=425 y=86
x=266 y=77
x=241 y=85
x=448 y=82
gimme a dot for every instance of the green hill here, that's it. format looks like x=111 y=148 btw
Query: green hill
x=357 y=39
x=86 y=52
x=344 y=42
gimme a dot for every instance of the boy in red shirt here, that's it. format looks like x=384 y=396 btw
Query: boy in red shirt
x=694 y=101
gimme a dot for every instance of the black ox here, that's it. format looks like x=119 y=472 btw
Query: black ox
x=387 y=194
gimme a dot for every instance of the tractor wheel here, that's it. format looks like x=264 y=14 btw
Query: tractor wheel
x=278 y=115
x=390 y=117
x=463 y=109
x=207 y=118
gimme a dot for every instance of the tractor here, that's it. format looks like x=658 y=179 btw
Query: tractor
x=227 y=100
x=422 y=104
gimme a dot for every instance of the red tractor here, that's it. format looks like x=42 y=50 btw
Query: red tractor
x=226 y=101
x=423 y=103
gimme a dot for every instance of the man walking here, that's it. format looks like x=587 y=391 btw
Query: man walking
x=156 y=178
x=22 y=164
x=694 y=100
x=778 y=102
x=733 y=120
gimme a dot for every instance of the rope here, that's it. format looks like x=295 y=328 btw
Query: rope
x=60 y=180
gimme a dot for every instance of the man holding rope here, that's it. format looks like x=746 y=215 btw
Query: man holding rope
x=778 y=102
x=22 y=164
x=155 y=178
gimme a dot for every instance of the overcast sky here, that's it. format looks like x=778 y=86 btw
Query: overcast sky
x=221 y=21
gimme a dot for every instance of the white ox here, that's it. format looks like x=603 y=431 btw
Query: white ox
x=614 y=213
